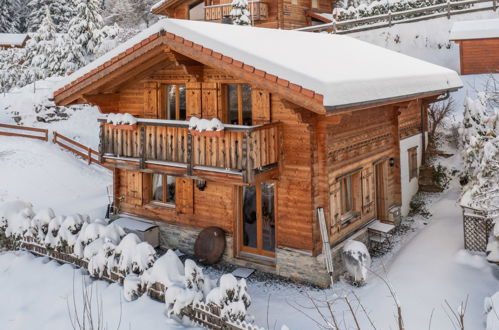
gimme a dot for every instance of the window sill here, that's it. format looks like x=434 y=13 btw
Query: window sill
x=160 y=205
x=349 y=218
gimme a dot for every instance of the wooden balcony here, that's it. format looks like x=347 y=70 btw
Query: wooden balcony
x=259 y=11
x=242 y=155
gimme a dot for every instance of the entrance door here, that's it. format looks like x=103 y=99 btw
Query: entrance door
x=381 y=189
x=257 y=227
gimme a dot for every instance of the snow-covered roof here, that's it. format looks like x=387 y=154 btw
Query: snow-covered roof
x=13 y=39
x=158 y=4
x=477 y=29
x=344 y=70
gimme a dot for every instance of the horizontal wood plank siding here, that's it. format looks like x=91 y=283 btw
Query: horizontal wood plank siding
x=479 y=56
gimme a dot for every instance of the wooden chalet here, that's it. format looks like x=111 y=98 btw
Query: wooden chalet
x=13 y=40
x=301 y=133
x=277 y=14
x=478 y=45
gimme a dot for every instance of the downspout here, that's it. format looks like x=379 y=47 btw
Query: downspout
x=423 y=133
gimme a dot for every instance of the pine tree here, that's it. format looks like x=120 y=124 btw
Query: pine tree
x=84 y=29
x=240 y=13
x=8 y=17
x=62 y=12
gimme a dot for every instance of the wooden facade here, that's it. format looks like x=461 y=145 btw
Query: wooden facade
x=277 y=14
x=479 y=56
x=280 y=157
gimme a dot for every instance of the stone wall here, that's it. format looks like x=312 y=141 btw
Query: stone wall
x=297 y=265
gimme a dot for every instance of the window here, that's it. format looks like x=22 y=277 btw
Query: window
x=349 y=199
x=239 y=104
x=413 y=162
x=163 y=189
x=175 y=102
x=315 y=4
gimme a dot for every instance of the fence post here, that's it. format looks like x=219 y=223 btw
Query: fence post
x=102 y=147
x=389 y=18
x=89 y=155
x=54 y=137
x=494 y=4
x=448 y=9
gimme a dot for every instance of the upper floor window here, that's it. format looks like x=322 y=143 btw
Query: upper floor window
x=239 y=104
x=163 y=189
x=175 y=108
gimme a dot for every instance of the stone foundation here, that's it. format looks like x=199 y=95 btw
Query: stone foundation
x=297 y=265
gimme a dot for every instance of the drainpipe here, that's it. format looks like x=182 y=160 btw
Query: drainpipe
x=423 y=135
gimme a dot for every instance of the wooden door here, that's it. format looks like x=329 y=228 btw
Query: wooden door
x=381 y=189
x=257 y=221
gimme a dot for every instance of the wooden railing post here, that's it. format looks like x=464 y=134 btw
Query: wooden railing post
x=250 y=174
x=448 y=9
x=142 y=147
x=89 y=155
x=54 y=137
x=189 y=154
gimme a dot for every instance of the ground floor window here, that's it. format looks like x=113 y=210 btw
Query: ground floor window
x=349 y=196
x=413 y=162
x=163 y=189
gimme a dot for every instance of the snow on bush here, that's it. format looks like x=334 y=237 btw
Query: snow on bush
x=108 y=250
x=357 y=260
x=231 y=296
x=205 y=125
x=240 y=13
x=121 y=119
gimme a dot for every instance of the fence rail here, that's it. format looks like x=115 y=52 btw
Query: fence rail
x=87 y=153
x=14 y=130
x=392 y=18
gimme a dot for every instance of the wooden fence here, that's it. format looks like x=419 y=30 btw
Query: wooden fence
x=26 y=132
x=206 y=315
x=477 y=226
x=87 y=153
x=447 y=9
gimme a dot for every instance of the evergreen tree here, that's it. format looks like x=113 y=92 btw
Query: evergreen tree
x=8 y=17
x=240 y=13
x=62 y=12
x=84 y=30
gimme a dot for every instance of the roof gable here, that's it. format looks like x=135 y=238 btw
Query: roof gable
x=337 y=71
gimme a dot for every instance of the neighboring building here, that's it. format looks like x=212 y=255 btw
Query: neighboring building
x=478 y=45
x=13 y=40
x=277 y=14
x=301 y=133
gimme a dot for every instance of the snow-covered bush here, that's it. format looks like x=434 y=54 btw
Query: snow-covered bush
x=357 y=260
x=231 y=296
x=202 y=125
x=121 y=119
x=108 y=250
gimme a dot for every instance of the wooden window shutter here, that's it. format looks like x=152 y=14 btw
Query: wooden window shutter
x=151 y=91
x=134 y=187
x=184 y=193
x=367 y=176
x=260 y=102
x=146 y=188
x=210 y=100
x=193 y=100
x=335 y=203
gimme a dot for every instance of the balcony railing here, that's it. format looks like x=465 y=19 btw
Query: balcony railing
x=259 y=11
x=243 y=151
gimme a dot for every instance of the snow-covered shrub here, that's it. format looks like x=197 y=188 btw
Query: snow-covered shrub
x=177 y=297
x=168 y=270
x=132 y=287
x=125 y=252
x=143 y=258
x=16 y=218
x=41 y=222
x=231 y=297
x=357 y=260
x=100 y=255
x=195 y=279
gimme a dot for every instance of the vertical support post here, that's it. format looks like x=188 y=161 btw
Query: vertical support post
x=189 y=154
x=244 y=160
x=389 y=18
x=54 y=137
x=448 y=9
x=102 y=143
x=142 y=147
x=494 y=4
x=250 y=176
x=89 y=155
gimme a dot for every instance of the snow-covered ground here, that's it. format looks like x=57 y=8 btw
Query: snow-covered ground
x=430 y=268
x=38 y=294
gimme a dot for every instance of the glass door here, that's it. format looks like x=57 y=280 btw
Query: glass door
x=257 y=230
